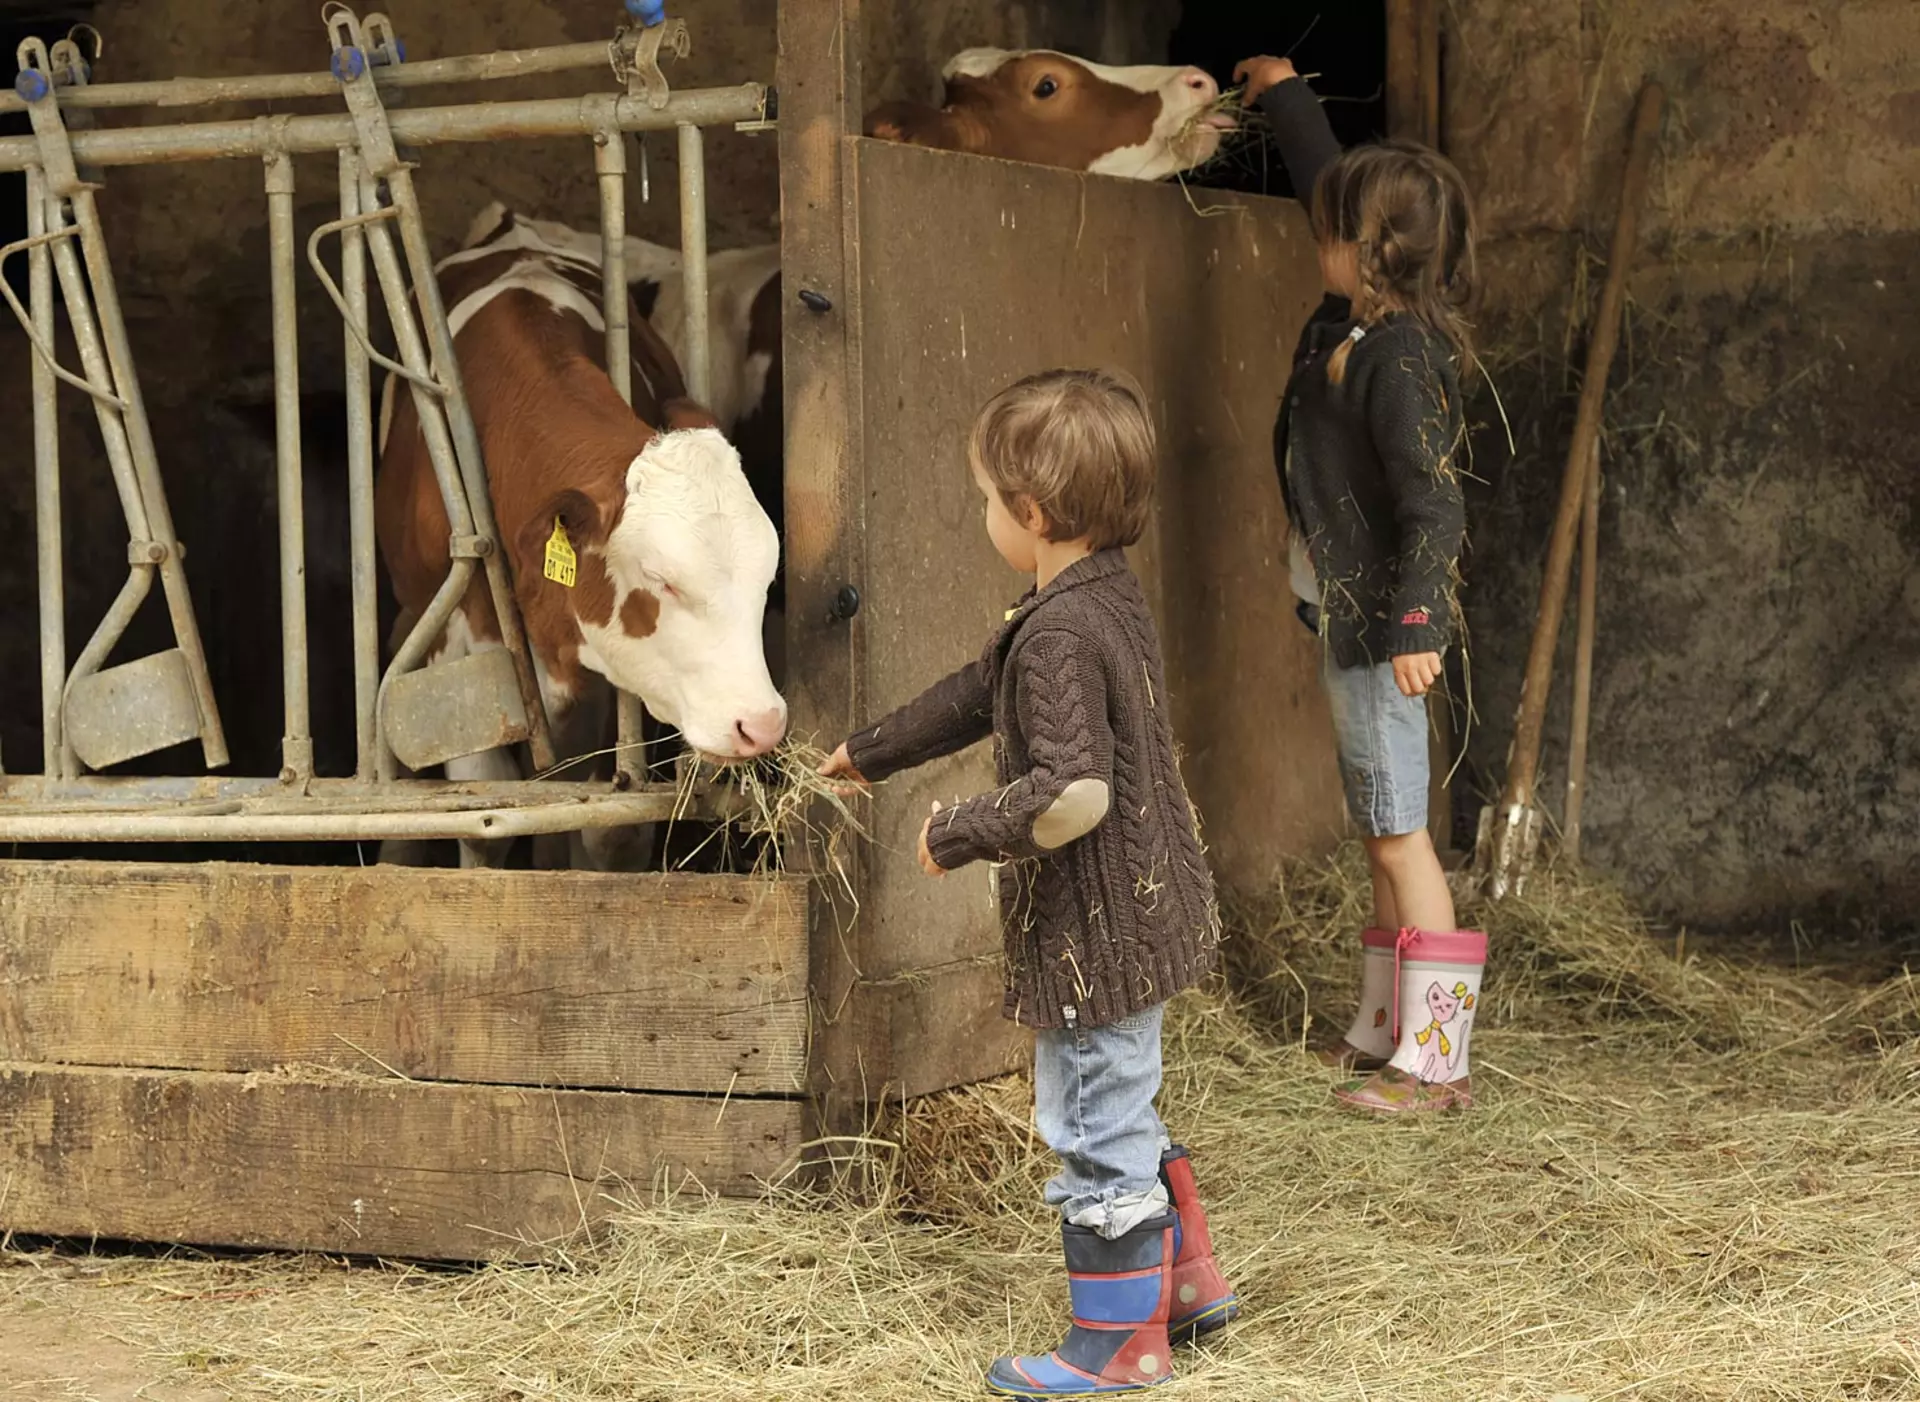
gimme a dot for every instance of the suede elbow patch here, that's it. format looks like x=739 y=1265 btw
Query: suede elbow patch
x=1075 y=813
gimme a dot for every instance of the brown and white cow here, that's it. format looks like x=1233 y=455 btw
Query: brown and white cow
x=674 y=553
x=1141 y=123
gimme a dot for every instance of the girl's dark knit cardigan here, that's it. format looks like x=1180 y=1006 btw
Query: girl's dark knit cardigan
x=1371 y=480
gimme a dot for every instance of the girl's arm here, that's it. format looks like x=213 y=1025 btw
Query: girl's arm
x=1413 y=414
x=948 y=716
x=1300 y=128
x=1061 y=694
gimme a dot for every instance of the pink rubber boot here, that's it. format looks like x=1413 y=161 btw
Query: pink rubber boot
x=1369 y=1041
x=1438 y=988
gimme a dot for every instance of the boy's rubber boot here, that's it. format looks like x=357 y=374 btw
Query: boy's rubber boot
x=1439 y=985
x=1202 y=1299
x=1118 y=1343
x=1369 y=1041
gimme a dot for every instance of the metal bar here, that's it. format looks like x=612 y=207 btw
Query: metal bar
x=275 y=87
x=46 y=485
x=259 y=793
x=440 y=453
x=296 y=745
x=360 y=524
x=93 y=360
x=43 y=349
x=414 y=650
x=422 y=126
x=614 y=811
x=693 y=260
x=173 y=577
x=383 y=163
x=610 y=162
x=119 y=617
x=473 y=467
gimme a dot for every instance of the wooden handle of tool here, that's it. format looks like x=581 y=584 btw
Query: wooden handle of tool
x=1583 y=661
x=1524 y=761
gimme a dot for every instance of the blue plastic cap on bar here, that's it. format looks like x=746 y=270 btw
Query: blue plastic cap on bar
x=648 y=12
x=31 y=85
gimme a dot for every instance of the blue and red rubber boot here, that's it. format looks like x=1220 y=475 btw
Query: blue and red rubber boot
x=1202 y=1299
x=1118 y=1343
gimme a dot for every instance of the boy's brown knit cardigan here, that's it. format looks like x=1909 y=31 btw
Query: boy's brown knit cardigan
x=1071 y=688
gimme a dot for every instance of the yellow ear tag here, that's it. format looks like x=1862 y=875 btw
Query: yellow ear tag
x=562 y=565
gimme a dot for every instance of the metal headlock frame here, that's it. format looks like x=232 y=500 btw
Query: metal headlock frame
x=94 y=716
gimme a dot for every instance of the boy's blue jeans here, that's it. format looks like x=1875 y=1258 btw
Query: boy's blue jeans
x=1093 y=1090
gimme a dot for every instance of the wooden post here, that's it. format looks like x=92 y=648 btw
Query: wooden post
x=1405 y=108
x=822 y=44
x=1430 y=72
x=1524 y=761
x=1413 y=70
x=1583 y=659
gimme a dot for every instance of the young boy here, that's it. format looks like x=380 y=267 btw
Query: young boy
x=1107 y=905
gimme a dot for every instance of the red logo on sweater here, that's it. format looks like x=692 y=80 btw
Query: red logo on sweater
x=1415 y=618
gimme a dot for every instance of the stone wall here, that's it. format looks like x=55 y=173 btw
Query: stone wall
x=1754 y=756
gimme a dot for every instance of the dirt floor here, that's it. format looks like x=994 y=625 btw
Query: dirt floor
x=1690 y=1177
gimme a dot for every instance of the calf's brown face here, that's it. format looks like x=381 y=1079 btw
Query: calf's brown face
x=1140 y=123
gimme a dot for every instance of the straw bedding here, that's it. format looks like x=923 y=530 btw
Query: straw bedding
x=1690 y=1177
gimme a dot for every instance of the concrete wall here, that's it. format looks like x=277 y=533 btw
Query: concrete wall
x=1754 y=753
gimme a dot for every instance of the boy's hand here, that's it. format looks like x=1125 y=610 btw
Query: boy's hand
x=1261 y=73
x=1416 y=672
x=839 y=765
x=927 y=863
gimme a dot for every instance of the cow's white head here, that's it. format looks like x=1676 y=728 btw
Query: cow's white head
x=1140 y=123
x=689 y=555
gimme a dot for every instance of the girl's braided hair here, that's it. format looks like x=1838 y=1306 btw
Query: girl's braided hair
x=1406 y=210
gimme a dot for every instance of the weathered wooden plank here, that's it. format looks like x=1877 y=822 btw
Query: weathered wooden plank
x=351 y=1164
x=1040 y=268
x=519 y=978
x=822 y=52
x=946 y=1028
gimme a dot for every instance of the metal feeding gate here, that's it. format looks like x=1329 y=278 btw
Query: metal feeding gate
x=94 y=716
x=379 y=1060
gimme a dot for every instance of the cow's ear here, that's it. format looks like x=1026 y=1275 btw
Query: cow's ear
x=683 y=413
x=576 y=512
x=915 y=124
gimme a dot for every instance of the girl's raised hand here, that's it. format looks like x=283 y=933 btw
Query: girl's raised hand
x=1259 y=74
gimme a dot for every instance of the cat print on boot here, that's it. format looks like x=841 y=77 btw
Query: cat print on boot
x=1439 y=1053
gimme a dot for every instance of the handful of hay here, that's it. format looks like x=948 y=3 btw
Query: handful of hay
x=779 y=804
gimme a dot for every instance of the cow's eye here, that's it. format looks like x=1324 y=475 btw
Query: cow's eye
x=1046 y=87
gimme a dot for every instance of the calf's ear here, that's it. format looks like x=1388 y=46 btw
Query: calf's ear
x=916 y=124
x=585 y=522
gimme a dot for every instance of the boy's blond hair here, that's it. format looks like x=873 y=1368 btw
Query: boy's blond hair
x=1077 y=444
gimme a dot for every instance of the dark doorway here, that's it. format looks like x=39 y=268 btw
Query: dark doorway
x=1343 y=44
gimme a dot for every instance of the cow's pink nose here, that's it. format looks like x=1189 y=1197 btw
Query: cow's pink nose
x=1201 y=83
x=758 y=734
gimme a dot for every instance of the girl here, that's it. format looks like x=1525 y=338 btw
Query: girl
x=1366 y=447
